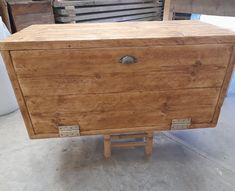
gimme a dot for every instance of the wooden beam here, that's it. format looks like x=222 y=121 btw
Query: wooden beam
x=4 y=14
x=147 y=142
x=168 y=13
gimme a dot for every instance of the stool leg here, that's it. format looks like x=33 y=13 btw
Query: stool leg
x=107 y=146
x=149 y=144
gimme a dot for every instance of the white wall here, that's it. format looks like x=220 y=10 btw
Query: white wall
x=225 y=22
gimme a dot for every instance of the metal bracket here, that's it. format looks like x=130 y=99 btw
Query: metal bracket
x=178 y=124
x=69 y=131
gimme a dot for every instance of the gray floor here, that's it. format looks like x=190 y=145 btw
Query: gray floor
x=195 y=160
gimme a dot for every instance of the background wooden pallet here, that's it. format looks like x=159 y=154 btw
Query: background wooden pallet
x=67 y=11
x=27 y=12
x=4 y=14
x=181 y=16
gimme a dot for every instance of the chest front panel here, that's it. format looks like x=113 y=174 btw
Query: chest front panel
x=92 y=88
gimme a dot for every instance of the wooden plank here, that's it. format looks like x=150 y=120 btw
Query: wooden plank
x=97 y=112
x=96 y=3
x=20 y=8
x=106 y=15
x=128 y=136
x=82 y=10
x=114 y=82
x=108 y=131
x=106 y=102
x=225 y=86
x=107 y=146
x=4 y=14
x=98 y=12
x=16 y=86
x=157 y=127
x=167 y=13
x=144 y=17
x=199 y=67
x=24 y=14
x=139 y=17
x=23 y=21
x=108 y=60
x=128 y=145
x=149 y=143
x=117 y=34
x=151 y=18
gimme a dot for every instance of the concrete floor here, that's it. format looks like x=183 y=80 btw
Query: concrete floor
x=192 y=160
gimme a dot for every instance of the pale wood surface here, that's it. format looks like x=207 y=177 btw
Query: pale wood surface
x=225 y=85
x=97 y=93
x=99 y=75
x=167 y=13
x=4 y=14
x=126 y=110
x=24 y=14
x=128 y=145
x=117 y=34
x=89 y=87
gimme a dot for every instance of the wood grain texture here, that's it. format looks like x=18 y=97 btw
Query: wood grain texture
x=225 y=86
x=75 y=73
x=58 y=3
x=72 y=84
x=167 y=13
x=82 y=10
x=24 y=14
x=19 y=95
x=102 y=15
x=123 y=110
x=131 y=34
x=5 y=14
x=129 y=18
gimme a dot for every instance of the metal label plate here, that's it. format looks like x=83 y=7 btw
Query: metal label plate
x=178 y=124
x=69 y=131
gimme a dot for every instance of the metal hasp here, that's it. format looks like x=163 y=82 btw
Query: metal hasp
x=178 y=124
x=69 y=131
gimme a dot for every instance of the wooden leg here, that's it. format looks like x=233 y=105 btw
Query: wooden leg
x=107 y=146
x=149 y=144
x=168 y=12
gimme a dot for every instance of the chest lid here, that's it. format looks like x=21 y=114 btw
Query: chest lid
x=128 y=34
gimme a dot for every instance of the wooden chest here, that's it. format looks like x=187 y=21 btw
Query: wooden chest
x=119 y=77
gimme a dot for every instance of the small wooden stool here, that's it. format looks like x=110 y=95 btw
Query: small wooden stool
x=147 y=142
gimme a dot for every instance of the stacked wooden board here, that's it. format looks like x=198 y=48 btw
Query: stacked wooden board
x=4 y=14
x=181 y=16
x=27 y=12
x=67 y=11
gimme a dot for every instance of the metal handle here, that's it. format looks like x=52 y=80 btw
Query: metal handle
x=128 y=60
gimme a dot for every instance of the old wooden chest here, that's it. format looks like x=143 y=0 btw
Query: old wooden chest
x=110 y=78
